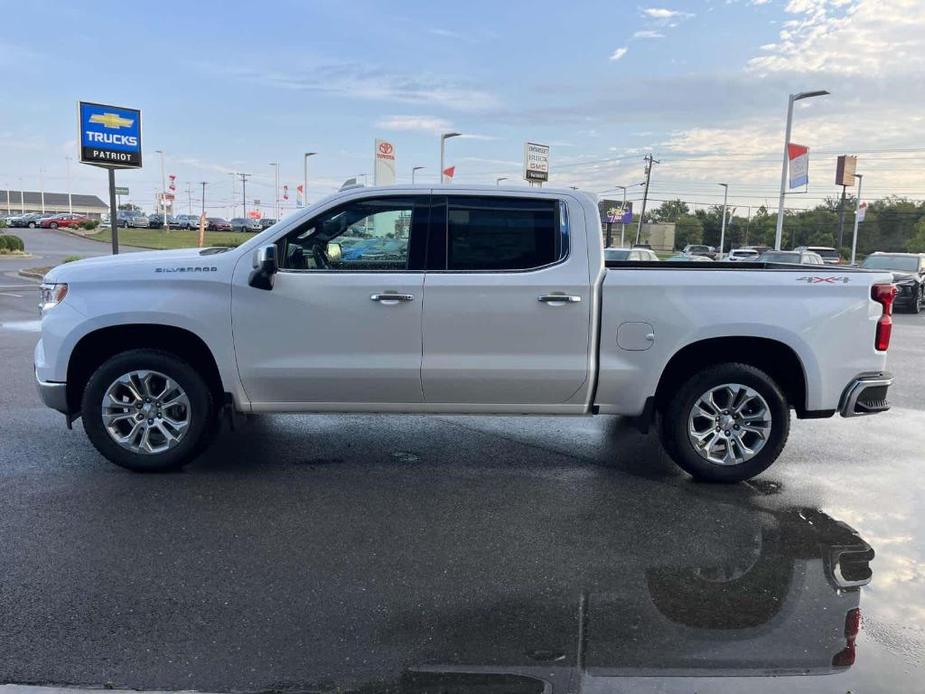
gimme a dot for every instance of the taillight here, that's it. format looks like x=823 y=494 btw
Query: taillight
x=883 y=294
x=846 y=656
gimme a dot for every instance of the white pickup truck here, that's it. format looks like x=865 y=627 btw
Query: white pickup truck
x=457 y=299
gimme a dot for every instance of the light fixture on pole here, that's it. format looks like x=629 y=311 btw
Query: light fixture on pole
x=857 y=210
x=778 y=234
x=498 y=180
x=443 y=138
x=305 y=178
x=413 y=169
x=275 y=165
x=722 y=229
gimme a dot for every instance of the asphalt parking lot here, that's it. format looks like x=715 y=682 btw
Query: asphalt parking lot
x=371 y=553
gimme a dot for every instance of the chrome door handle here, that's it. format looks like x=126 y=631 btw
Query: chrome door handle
x=559 y=299
x=387 y=298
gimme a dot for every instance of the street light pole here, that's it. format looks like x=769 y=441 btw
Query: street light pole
x=163 y=187
x=443 y=138
x=67 y=170
x=778 y=234
x=498 y=180
x=275 y=165
x=722 y=229
x=244 y=177
x=622 y=213
x=857 y=210
x=203 y=184
x=304 y=178
x=234 y=180
x=413 y=170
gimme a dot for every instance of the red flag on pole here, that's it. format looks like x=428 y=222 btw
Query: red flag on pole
x=449 y=171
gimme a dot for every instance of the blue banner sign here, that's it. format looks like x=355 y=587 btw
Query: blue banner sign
x=110 y=136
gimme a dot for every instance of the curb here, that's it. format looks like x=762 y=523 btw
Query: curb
x=30 y=274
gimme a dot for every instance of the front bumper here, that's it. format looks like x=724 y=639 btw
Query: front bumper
x=54 y=395
x=866 y=395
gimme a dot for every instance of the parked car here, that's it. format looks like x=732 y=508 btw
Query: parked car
x=133 y=220
x=186 y=221
x=632 y=341
x=218 y=224
x=684 y=258
x=738 y=255
x=635 y=253
x=267 y=222
x=908 y=273
x=62 y=220
x=156 y=221
x=30 y=220
x=700 y=249
x=793 y=257
x=829 y=255
x=245 y=224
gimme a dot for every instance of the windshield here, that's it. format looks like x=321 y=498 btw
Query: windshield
x=826 y=253
x=901 y=263
x=780 y=257
x=616 y=254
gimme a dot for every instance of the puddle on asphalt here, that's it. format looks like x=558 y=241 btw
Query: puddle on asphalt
x=24 y=326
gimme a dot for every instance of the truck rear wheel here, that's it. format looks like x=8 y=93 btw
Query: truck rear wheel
x=148 y=411
x=726 y=423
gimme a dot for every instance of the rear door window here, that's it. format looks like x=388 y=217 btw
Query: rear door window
x=499 y=233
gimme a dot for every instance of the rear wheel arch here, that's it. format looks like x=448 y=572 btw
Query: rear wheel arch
x=94 y=348
x=775 y=358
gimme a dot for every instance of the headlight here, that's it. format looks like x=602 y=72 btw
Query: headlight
x=52 y=295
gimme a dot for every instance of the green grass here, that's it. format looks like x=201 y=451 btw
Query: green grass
x=159 y=239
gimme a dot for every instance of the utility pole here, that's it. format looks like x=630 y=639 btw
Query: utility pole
x=203 y=184
x=722 y=230
x=42 y=186
x=244 y=177
x=234 y=176
x=645 y=195
x=189 y=199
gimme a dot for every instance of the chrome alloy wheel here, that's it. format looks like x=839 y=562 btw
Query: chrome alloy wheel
x=729 y=424
x=146 y=412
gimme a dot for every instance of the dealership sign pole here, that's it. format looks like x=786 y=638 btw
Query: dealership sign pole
x=110 y=137
x=536 y=163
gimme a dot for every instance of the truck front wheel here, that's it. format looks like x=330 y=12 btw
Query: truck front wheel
x=726 y=423
x=148 y=411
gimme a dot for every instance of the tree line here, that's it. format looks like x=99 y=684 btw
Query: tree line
x=890 y=224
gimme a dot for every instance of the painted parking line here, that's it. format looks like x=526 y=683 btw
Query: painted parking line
x=18 y=296
x=23 y=326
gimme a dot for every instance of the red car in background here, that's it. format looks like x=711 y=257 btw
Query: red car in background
x=63 y=220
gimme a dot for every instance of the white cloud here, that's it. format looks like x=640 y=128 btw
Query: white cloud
x=664 y=13
x=848 y=37
x=619 y=53
x=648 y=34
x=424 y=123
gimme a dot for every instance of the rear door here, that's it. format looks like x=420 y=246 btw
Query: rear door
x=508 y=302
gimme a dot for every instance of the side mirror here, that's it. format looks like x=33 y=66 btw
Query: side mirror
x=334 y=252
x=265 y=266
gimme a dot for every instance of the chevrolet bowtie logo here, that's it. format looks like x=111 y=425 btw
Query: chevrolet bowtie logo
x=111 y=120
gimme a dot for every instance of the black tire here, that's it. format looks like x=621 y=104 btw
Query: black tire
x=203 y=421
x=917 y=302
x=674 y=425
x=32 y=225
x=53 y=225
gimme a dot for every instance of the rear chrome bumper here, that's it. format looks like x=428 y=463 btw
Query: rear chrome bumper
x=866 y=395
x=54 y=395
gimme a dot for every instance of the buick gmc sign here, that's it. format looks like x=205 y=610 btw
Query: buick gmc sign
x=110 y=135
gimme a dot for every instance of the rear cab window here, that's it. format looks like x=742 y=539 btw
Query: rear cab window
x=496 y=233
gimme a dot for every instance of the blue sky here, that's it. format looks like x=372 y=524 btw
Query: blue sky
x=703 y=85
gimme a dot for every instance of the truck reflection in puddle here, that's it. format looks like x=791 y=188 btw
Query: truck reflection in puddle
x=781 y=598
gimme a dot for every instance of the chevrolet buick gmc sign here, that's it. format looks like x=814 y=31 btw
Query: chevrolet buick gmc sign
x=110 y=136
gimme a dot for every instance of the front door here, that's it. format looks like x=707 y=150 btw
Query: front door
x=342 y=324
x=507 y=318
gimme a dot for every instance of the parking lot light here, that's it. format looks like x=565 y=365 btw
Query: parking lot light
x=857 y=211
x=443 y=138
x=783 y=173
x=413 y=170
x=722 y=229
x=499 y=179
x=304 y=179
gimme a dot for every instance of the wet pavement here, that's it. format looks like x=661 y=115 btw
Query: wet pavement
x=415 y=554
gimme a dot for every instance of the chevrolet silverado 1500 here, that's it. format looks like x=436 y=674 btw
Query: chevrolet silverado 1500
x=457 y=300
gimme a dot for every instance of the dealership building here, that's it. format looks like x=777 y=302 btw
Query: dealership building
x=22 y=201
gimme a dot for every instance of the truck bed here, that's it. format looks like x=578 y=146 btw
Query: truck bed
x=724 y=265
